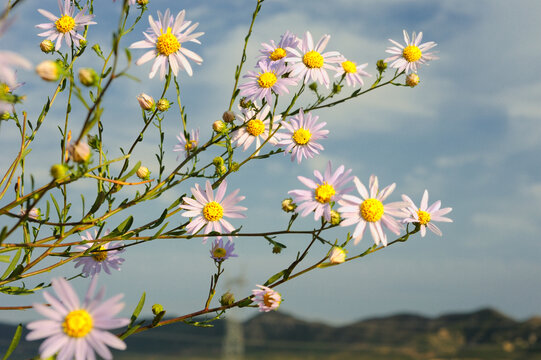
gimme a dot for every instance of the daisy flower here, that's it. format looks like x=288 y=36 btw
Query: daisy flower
x=257 y=128
x=222 y=251
x=7 y=98
x=326 y=189
x=301 y=134
x=100 y=258
x=208 y=211
x=407 y=58
x=310 y=62
x=185 y=145
x=8 y=77
x=369 y=209
x=165 y=38
x=65 y=27
x=266 y=298
x=352 y=72
x=266 y=81
x=425 y=215
x=76 y=330
x=34 y=213
x=272 y=53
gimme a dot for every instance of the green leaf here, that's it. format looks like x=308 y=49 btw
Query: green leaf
x=98 y=51
x=11 y=265
x=159 y=221
x=121 y=229
x=245 y=303
x=14 y=290
x=14 y=341
x=275 y=277
x=137 y=310
x=99 y=200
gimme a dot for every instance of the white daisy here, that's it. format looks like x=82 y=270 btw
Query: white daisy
x=353 y=72
x=165 y=38
x=186 y=144
x=425 y=215
x=407 y=58
x=102 y=259
x=266 y=298
x=266 y=81
x=257 y=128
x=65 y=27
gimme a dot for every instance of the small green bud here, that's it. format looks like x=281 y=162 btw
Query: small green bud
x=228 y=116
x=163 y=105
x=218 y=161
x=5 y=116
x=142 y=2
x=156 y=309
x=381 y=65
x=143 y=173
x=313 y=86
x=58 y=171
x=412 y=80
x=276 y=249
x=46 y=46
x=235 y=166
x=227 y=299
x=88 y=77
x=335 y=217
x=82 y=43
x=288 y=205
x=221 y=170
x=218 y=126
x=336 y=88
x=245 y=104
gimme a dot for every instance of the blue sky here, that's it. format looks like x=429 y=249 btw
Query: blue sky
x=470 y=133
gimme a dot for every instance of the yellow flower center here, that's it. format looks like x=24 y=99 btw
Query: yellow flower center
x=324 y=193
x=371 y=210
x=411 y=53
x=424 y=217
x=213 y=211
x=268 y=300
x=77 y=323
x=313 y=59
x=167 y=43
x=100 y=255
x=266 y=80
x=277 y=54
x=65 y=24
x=190 y=145
x=255 y=127
x=349 y=67
x=301 y=136
x=219 y=253
x=4 y=88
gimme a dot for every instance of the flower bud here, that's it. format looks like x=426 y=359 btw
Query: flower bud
x=276 y=249
x=58 y=171
x=5 y=116
x=336 y=88
x=245 y=103
x=143 y=172
x=381 y=65
x=227 y=299
x=288 y=205
x=218 y=126
x=80 y=152
x=156 y=309
x=145 y=101
x=49 y=70
x=335 y=217
x=218 y=161
x=221 y=170
x=82 y=43
x=46 y=46
x=142 y=2
x=313 y=86
x=412 y=79
x=88 y=77
x=228 y=116
x=163 y=105
x=337 y=255
x=33 y=213
x=235 y=166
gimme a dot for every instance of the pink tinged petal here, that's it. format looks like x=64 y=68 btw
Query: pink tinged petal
x=386 y=192
x=58 y=42
x=48 y=15
x=424 y=200
x=184 y=62
x=49 y=312
x=423 y=230
x=407 y=199
x=322 y=43
x=50 y=346
x=361 y=188
x=95 y=341
x=434 y=229
x=174 y=64
x=66 y=294
x=110 y=323
x=373 y=186
x=374 y=233
x=112 y=340
x=308 y=41
x=42 y=329
x=434 y=207
x=359 y=232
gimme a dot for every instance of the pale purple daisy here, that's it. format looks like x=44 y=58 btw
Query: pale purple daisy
x=266 y=81
x=310 y=62
x=272 y=53
x=301 y=135
x=7 y=98
x=34 y=213
x=65 y=27
x=101 y=258
x=208 y=211
x=257 y=128
x=222 y=251
x=185 y=145
x=8 y=76
x=353 y=72
x=369 y=209
x=425 y=215
x=406 y=58
x=75 y=330
x=165 y=38
x=327 y=188
x=266 y=298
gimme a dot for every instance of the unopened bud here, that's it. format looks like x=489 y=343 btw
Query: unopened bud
x=58 y=171
x=337 y=255
x=381 y=65
x=313 y=86
x=245 y=103
x=49 y=70
x=145 y=101
x=156 y=309
x=5 y=116
x=46 y=46
x=163 y=105
x=142 y=2
x=276 y=249
x=88 y=77
x=82 y=42
x=412 y=79
x=336 y=88
x=143 y=172
x=235 y=166
x=218 y=161
x=80 y=152
x=218 y=126
x=335 y=217
x=288 y=205
x=221 y=170
x=227 y=299
x=228 y=116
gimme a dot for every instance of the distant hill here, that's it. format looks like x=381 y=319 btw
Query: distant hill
x=483 y=334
